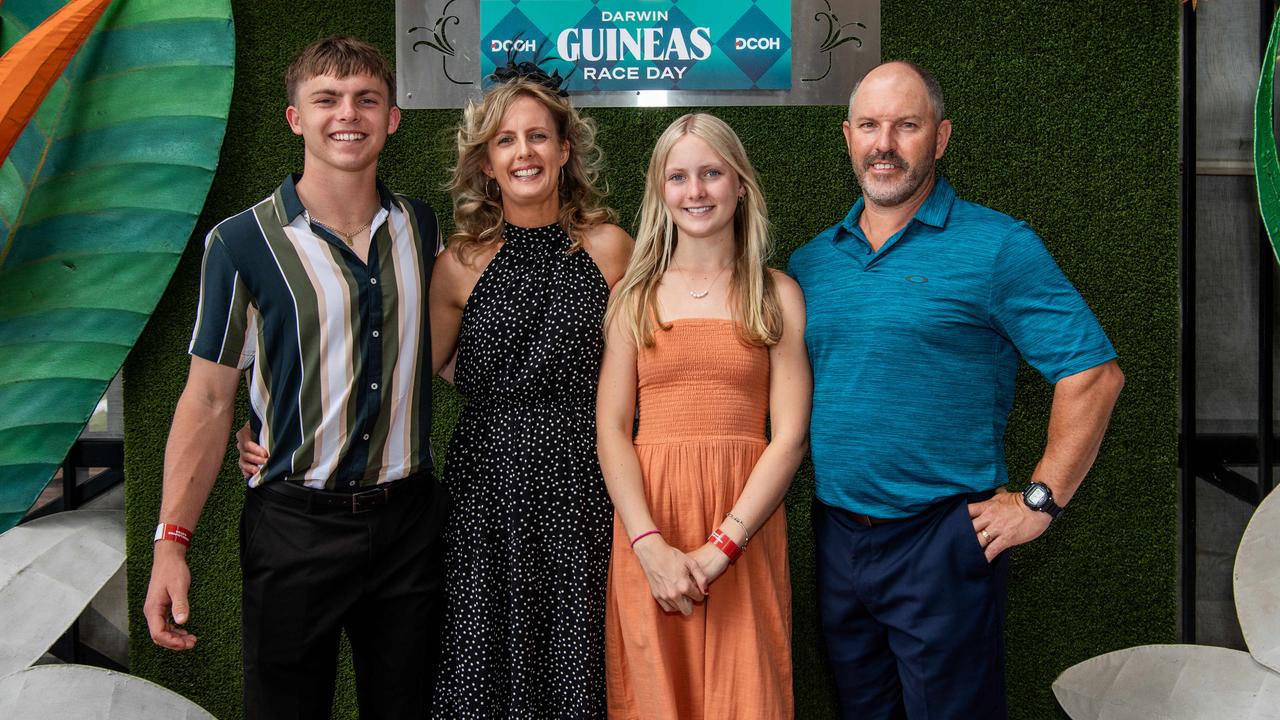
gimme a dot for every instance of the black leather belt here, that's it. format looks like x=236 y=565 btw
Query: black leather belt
x=868 y=520
x=354 y=502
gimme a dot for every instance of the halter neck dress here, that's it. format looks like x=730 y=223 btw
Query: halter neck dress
x=529 y=534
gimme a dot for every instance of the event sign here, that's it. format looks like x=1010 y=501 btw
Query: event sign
x=620 y=45
x=640 y=52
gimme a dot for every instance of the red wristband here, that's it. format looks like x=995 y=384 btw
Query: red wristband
x=176 y=533
x=726 y=544
x=642 y=536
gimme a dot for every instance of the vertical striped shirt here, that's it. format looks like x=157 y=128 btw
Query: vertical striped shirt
x=338 y=350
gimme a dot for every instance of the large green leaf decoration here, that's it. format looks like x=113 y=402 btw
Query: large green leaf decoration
x=97 y=201
x=1266 y=166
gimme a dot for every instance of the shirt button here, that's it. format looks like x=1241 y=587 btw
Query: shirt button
x=352 y=483
x=376 y=333
x=373 y=386
x=373 y=281
x=365 y=436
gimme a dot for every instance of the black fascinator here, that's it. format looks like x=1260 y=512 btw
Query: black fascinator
x=531 y=71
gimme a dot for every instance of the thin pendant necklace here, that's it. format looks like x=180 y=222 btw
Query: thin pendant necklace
x=348 y=238
x=696 y=295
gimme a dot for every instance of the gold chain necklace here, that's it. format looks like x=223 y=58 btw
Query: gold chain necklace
x=348 y=238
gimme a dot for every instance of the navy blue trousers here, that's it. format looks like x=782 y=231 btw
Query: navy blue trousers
x=912 y=614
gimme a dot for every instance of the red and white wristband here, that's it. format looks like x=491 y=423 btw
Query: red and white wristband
x=176 y=533
x=726 y=544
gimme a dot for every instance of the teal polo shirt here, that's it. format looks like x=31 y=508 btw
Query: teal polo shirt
x=915 y=350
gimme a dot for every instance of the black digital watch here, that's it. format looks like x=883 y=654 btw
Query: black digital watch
x=1039 y=497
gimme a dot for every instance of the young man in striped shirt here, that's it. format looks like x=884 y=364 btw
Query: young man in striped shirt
x=319 y=291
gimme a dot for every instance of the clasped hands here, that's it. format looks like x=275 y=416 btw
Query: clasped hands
x=677 y=579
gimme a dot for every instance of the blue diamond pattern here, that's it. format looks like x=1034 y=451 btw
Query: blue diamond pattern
x=754 y=24
x=514 y=24
x=677 y=19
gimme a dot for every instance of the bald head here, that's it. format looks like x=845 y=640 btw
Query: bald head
x=896 y=135
x=904 y=77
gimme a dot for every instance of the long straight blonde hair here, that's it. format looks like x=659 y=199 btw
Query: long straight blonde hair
x=753 y=299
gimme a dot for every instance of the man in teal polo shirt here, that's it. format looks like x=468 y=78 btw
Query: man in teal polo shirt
x=919 y=307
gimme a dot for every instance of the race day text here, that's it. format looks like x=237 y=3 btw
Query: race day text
x=610 y=45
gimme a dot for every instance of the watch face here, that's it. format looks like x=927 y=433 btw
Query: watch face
x=1036 y=496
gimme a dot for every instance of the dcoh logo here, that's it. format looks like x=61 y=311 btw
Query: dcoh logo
x=757 y=43
x=516 y=45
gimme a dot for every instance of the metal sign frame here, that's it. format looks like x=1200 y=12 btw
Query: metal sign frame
x=833 y=44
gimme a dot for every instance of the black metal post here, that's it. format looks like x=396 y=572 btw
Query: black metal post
x=1187 y=404
x=1266 y=323
x=70 y=492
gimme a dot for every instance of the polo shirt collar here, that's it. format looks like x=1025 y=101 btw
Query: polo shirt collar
x=289 y=206
x=937 y=206
x=933 y=211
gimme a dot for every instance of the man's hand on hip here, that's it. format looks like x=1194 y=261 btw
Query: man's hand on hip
x=1005 y=521
x=166 y=607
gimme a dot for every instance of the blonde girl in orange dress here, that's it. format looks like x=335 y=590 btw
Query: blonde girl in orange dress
x=711 y=343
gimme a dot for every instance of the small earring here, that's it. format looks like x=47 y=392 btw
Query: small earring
x=496 y=192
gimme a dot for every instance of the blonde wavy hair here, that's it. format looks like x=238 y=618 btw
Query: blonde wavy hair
x=477 y=212
x=753 y=295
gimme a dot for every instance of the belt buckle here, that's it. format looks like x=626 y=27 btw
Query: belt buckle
x=372 y=495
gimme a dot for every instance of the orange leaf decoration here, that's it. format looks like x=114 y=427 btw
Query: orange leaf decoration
x=32 y=66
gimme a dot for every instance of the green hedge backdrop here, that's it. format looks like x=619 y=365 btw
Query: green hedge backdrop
x=1065 y=114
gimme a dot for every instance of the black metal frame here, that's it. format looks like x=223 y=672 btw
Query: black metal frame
x=1266 y=316
x=107 y=454
x=1187 y=396
x=1207 y=457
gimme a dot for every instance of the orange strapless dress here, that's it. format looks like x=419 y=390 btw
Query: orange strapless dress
x=703 y=399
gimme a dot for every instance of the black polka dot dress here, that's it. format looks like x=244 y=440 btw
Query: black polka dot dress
x=529 y=535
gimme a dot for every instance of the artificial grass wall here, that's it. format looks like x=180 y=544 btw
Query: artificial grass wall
x=1065 y=115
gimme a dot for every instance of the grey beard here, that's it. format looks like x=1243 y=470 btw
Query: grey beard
x=898 y=194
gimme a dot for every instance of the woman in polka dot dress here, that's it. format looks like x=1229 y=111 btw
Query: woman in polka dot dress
x=522 y=287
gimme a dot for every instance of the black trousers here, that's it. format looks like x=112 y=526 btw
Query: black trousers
x=912 y=614
x=310 y=573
